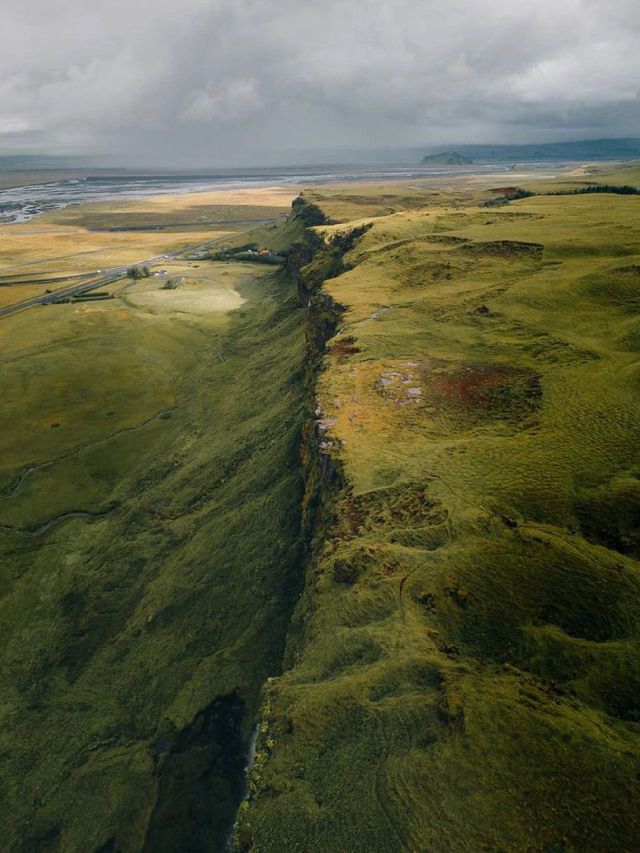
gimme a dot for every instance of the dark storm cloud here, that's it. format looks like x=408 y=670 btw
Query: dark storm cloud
x=221 y=79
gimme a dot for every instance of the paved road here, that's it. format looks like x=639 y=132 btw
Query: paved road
x=114 y=273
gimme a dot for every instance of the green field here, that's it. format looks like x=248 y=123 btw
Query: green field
x=149 y=541
x=463 y=667
x=382 y=503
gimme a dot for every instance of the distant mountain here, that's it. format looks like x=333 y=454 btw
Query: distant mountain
x=590 y=149
x=39 y=162
x=447 y=158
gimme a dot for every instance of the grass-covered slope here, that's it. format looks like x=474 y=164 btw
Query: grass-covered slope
x=150 y=494
x=464 y=664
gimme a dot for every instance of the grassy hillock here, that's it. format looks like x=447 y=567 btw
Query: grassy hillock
x=462 y=668
x=150 y=548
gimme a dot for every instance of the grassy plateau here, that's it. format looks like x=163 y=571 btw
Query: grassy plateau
x=463 y=668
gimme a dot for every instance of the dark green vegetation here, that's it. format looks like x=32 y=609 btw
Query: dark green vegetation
x=138 y=272
x=463 y=666
x=247 y=252
x=508 y=194
x=625 y=180
x=150 y=493
x=624 y=189
x=515 y=193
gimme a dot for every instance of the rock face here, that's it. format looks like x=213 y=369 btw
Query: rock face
x=446 y=158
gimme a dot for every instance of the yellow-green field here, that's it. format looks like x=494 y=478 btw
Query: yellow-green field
x=463 y=665
x=83 y=239
x=149 y=546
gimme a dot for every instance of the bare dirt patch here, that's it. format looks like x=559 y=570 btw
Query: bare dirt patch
x=497 y=390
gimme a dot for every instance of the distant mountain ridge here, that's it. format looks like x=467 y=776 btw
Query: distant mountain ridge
x=588 y=149
x=447 y=158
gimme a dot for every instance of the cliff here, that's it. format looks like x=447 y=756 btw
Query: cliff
x=461 y=667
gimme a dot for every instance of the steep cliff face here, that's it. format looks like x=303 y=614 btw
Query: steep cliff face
x=311 y=262
x=461 y=668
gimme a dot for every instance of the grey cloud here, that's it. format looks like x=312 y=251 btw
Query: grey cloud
x=216 y=80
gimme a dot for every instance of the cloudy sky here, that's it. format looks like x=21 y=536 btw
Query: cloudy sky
x=229 y=81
